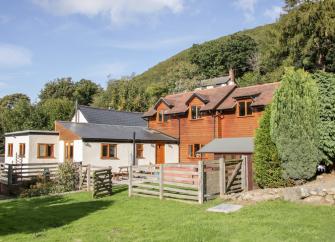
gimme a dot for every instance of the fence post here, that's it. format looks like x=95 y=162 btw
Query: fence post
x=88 y=176
x=110 y=180
x=161 y=180
x=201 y=181
x=130 y=186
x=10 y=174
x=244 y=173
x=80 y=171
x=222 y=177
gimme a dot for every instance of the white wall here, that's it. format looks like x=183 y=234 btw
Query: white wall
x=171 y=153
x=92 y=152
x=31 y=142
x=81 y=117
x=78 y=151
x=16 y=140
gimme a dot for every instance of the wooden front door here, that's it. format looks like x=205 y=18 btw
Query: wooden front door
x=68 y=150
x=160 y=153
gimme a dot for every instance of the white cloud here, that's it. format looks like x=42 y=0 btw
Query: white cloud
x=248 y=8
x=12 y=56
x=274 y=12
x=3 y=84
x=107 y=70
x=119 y=11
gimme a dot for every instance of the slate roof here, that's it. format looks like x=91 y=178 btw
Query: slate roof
x=215 y=81
x=262 y=95
x=31 y=132
x=212 y=98
x=229 y=145
x=90 y=132
x=112 y=117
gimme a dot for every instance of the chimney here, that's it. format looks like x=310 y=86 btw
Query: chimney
x=232 y=76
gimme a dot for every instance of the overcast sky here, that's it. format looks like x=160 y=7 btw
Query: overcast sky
x=41 y=40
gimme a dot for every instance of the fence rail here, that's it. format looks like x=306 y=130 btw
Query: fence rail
x=192 y=182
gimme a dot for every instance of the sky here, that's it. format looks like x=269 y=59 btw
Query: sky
x=41 y=40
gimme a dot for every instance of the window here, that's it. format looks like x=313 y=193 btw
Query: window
x=244 y=108
x=108 y=151
x=139 y=150
x=193 y=149
x=10 y=150
x=22 y=150
x=195 y=112
x=45 y=151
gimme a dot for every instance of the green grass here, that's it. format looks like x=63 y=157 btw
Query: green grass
x=78 y=217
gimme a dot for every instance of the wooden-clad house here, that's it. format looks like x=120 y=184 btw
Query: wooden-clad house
x=198 y=117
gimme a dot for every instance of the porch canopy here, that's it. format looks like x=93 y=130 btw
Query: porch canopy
x=229 y=145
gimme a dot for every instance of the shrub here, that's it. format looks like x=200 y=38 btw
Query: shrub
x=326 y=84
x=40 y=187
x=67 y=177
x=268 y=170
x=294 y=122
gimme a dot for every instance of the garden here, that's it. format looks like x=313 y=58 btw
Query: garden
x=78 y=217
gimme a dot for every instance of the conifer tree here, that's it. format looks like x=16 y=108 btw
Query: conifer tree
x=294 y=122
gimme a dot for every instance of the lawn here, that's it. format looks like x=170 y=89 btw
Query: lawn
x=78 y=217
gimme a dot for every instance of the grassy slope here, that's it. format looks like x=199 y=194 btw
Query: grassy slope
x=77 y=217
x=159 y=71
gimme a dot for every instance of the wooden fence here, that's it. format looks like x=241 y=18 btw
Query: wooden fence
x=192 y=182
x=102 y=182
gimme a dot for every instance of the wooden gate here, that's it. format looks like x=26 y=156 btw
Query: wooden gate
x=102 y=182
x=232 y=176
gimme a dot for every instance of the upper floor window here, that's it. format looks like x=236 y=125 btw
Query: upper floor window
x=244 y=108
x=22 y=150
x=161 y=117
x=108 y=151
x=139 y=150
x=10 y=150
x=195 y=112
x=45 y=151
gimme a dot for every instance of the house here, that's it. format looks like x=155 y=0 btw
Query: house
x=100 y=137
x=34 y=146
x=196 y=118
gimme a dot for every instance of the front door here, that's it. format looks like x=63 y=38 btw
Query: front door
x=160 y=153
x=68 y=150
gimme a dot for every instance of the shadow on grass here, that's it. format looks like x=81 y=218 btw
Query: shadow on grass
x=119 y=188
x=36 y=215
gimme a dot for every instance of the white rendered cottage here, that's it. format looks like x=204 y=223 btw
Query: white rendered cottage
x=99 y=137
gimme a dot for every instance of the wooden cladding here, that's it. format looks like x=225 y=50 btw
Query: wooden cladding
x=139 y=151
x=45 y=151
x=10 y=150
x=108 y=151
x=22 y=150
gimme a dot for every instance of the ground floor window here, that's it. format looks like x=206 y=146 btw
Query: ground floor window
x=108 y=151
x=10 y=150
x=45 y=151
x=139 y=150
x=22 y=150
x=193 y=149
x=68 y=151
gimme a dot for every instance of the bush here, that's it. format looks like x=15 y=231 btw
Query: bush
x=326 y=84
x=67 y=177
x=268 y=170
x=294 y=124
x=40 y=187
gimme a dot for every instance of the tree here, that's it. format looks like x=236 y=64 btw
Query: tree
x=10 y=101
x=238 y=53
x=59 y=88
x=307 y=35
x=85 y=90
x=294 y=122
x=47 y=112
x=326 y=84
x=268 y=169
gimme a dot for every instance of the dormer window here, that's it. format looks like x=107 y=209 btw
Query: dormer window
x=161 y=117
x=244 y=108
x=195 y=112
